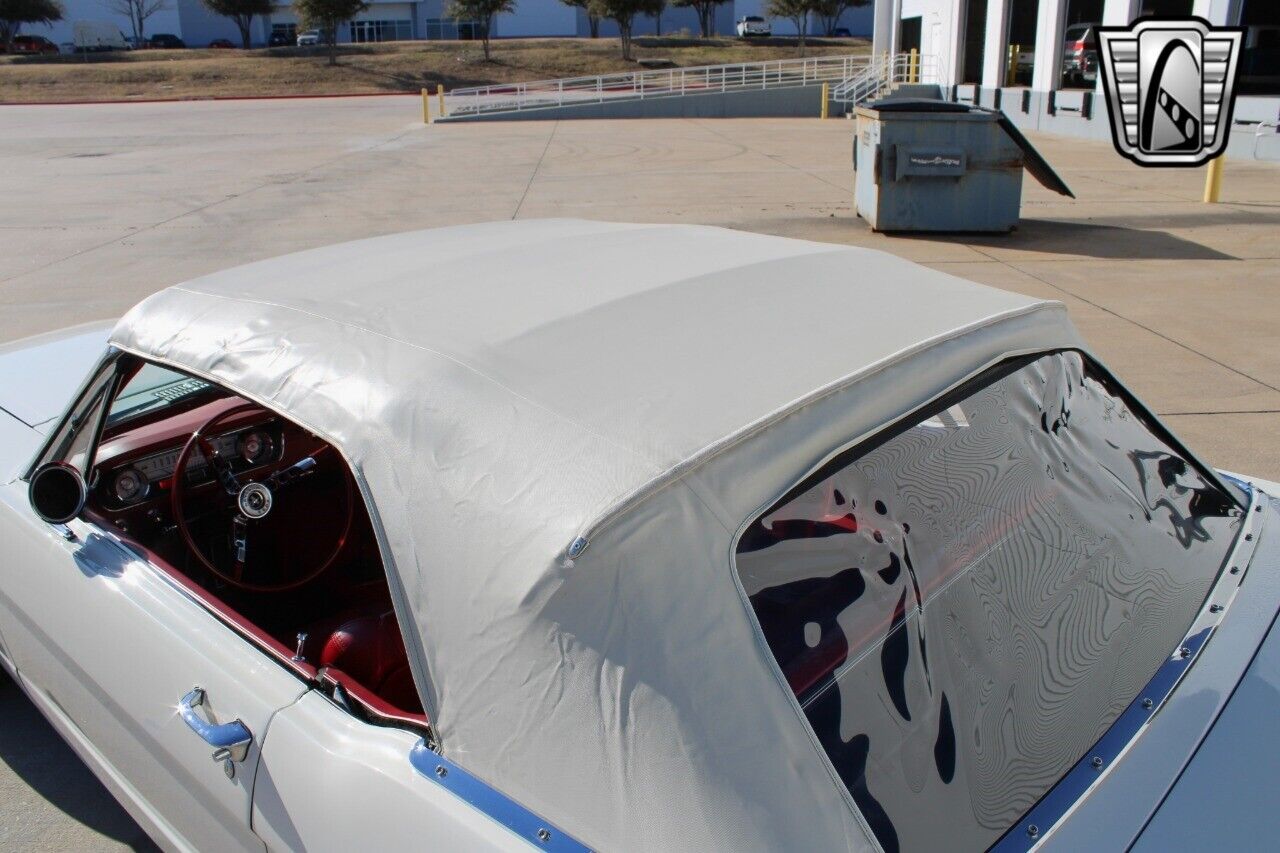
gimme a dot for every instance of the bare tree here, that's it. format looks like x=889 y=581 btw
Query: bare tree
x=829 y=12
x=242 y=12
x=795 y=11
x=137 y=11
x=325 y=15
x=706 y=10
x=659 y=7
x=623 y=13
x=483 y=11
x=593 y=20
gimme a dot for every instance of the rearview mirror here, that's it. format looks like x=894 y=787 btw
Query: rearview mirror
x=57 y=492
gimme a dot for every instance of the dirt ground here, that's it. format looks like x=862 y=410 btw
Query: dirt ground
x=362 y=69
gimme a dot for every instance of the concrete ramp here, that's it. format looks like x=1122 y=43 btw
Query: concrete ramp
x=780 y=88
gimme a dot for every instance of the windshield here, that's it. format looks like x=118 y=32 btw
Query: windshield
x=963 y=607
x=153 y=387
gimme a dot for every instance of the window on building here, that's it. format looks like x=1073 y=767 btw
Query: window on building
x=371 y=31
x=447 y=28
x=975 y=41
x=1080 y=44
x=1020 y=44
x=962 y=606
x=1260 y=56
x=288 y=31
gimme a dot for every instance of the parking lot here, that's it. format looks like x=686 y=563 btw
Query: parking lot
x=105 y=204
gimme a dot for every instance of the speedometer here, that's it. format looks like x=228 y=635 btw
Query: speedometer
x=130 y=485
x=255 y=446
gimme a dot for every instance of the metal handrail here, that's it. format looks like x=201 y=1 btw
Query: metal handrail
x=881 y=74
x=657 y=83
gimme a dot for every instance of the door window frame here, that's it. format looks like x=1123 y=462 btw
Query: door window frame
x=93 y=393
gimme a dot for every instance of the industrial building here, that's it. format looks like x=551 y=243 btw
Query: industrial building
x=1036 y=59
x=397 y=20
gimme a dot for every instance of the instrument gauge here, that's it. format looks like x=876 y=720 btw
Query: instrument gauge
x=255 y=447
x=129 y=485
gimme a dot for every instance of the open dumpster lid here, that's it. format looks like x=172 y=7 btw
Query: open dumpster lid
x=1031 y=158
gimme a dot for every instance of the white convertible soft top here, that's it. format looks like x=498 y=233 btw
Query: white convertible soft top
x=504 y=391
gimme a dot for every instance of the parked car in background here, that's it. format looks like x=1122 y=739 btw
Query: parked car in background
x=766 y=545
x=221 y=44
x=165 y=41
x=1080 y=54
x=281 y=39
x=33 y=44
x=309 y=38
x=135 y=43
x=841 y=33
x=753 y=26
x=95 y=36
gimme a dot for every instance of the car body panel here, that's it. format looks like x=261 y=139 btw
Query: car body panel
x=39 y=374
x=1115 y=813
x=1225 y=798
x=112 y=643
x=366 y=771
x=454 y=387
x=556 y=499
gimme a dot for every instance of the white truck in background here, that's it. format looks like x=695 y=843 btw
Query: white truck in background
x=97 y=35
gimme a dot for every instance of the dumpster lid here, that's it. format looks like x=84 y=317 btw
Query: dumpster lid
x=891 y=104
x=1031 y=159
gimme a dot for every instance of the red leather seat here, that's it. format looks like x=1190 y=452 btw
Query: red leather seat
x=370 y=650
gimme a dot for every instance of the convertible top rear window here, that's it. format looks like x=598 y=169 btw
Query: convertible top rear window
x=963 y=608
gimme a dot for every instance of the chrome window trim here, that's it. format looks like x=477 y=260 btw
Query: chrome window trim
x=78 y=400
x=1233 y=487
x=1058 y=803
x=491 y=802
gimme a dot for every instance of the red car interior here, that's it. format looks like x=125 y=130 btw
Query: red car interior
x=307 y=584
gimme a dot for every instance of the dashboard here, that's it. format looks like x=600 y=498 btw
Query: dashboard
x=246 y=448
x=135 y=462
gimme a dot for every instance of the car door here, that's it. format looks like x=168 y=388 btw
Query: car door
x=331 y=782
x=162 y=698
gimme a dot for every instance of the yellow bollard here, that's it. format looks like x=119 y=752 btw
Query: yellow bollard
x=826 y=99
x=914 y=67
x=440 y=95
x=1213 y=180
x=426 y=107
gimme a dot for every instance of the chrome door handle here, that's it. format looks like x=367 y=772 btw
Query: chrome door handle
x=229 y=740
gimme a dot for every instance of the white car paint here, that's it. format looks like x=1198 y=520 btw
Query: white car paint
x=366 y=773
x=753 y=27
x=113 y=645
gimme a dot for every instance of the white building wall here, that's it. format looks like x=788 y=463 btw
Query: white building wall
x=1045 y=105
x=538 y=18
x=164 y=21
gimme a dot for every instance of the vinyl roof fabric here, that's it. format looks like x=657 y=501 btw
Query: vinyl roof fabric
x=504 y=389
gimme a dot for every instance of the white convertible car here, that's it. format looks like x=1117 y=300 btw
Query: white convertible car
x=627 y=537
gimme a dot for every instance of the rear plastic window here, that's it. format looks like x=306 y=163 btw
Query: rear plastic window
x=961 y=609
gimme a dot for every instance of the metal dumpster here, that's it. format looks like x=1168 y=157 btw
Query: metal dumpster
x=931 y=165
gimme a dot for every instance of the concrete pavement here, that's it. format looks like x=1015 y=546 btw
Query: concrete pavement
x=106 y=204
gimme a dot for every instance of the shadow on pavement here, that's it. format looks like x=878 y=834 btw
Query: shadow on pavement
x=33 y=752
x=1098 y=240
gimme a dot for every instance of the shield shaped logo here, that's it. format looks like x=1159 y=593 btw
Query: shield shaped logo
x=1170 y=86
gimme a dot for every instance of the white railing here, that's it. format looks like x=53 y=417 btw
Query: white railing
x=880 y=74
x=657 y=83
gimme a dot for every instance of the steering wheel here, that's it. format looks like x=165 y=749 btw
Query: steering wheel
x=250 y=503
